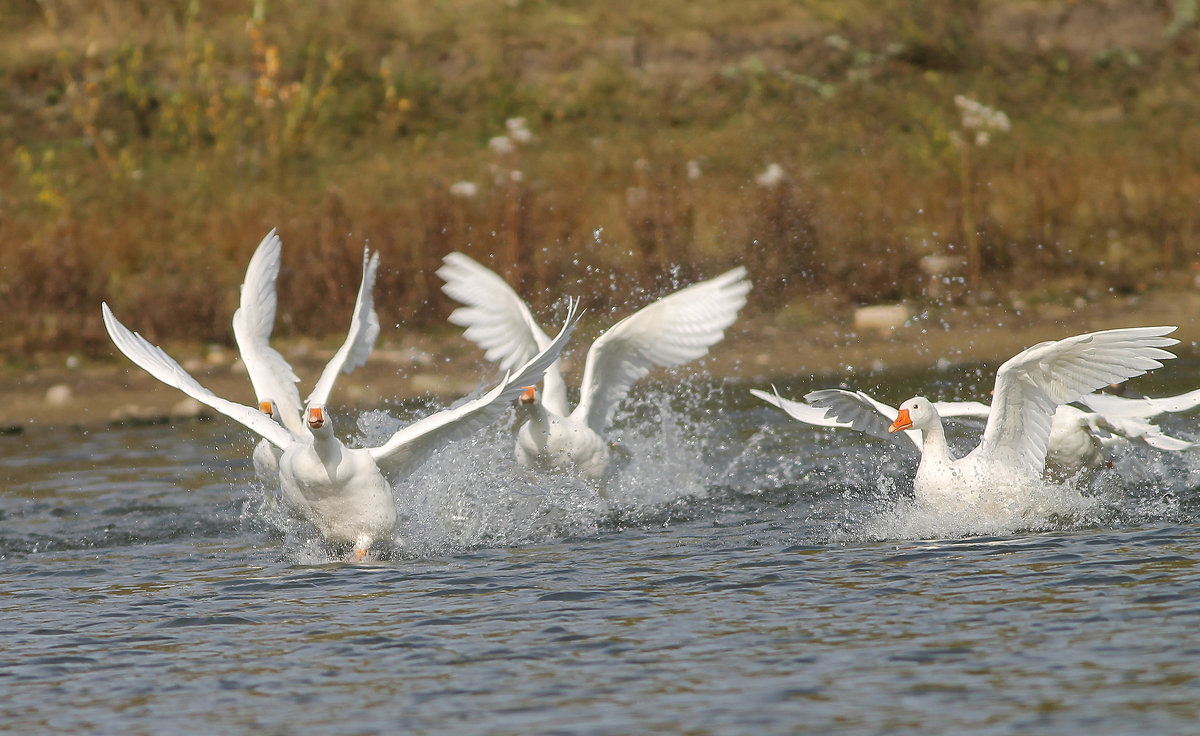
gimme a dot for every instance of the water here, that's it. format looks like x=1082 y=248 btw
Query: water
x=742 y=574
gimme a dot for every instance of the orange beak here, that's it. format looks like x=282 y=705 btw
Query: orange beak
x=265 y=407
x=316 y=417
x=903 y=421
x=529 y=396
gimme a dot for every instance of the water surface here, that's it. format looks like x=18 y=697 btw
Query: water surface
x=740 y=574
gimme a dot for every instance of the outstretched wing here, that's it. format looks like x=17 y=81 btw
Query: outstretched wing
x=674 y=330
x=1129 y=418
x=1031 y=385
x=364 y=330
x=1179 y=402
x=806 y=413
x=497 y=320
x=859 y=412
x=494 y=316
x=959 y=409
x=270 y=373
x=1146 y=408
x=163 y=367
x=409 y=447
x=1139 y=429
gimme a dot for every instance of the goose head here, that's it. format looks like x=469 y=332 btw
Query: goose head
x=529 y=396
x=916 y=413
x=530 y=411
x=270 y=408
x=317 y=418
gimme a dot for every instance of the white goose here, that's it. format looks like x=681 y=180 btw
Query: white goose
x=1077 y=439
x=1029 y=386
x=672 y=331
x=272 y=377
x=345 y=491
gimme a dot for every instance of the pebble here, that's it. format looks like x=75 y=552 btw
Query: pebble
x=883 y=318
x=59 y=395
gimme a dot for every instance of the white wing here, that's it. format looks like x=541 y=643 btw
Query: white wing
x=364 y=330
x=801 y=412
x=1031 y=385
x=1137 y=429
x=495 y=317
x=497 y=320
x=1139 y=408
x=674 y=330
x=1180 y=402
x=860 y=412
x=1158 y=439
x=1130 y=418
x=956 y=409
x=270 y=373
x=163 y=367
x=412 y=445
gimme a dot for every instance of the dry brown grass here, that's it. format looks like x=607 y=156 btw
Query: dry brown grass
x=147 y=147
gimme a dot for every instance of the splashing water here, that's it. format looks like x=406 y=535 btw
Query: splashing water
x=473 y=494
x=1045 y=506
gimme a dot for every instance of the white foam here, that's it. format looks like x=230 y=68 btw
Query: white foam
x=1041 y=507
x=472 y=493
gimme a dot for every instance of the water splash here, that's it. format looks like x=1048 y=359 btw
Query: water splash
x=1047 y=506
x=473 y=494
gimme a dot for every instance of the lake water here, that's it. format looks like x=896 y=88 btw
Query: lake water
x=742 y=574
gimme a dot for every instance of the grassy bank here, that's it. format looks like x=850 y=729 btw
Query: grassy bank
x=145 y=148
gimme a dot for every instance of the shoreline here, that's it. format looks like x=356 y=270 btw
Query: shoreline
x=759 y=348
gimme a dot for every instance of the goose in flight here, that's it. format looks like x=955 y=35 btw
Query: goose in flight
x=1029 y=387
x=674 y=330
x=272 y=377
x=1078 y=439
x=345 y=492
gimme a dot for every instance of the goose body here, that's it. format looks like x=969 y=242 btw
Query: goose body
x=674 y=330
x=547 y=441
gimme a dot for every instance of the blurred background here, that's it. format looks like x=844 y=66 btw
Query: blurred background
x=1004 y=153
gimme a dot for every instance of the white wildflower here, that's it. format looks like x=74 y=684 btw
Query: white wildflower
x=518 y=130
x=772 y=177
x=834 y=41
x=977 y=116
x=464 y=189
x=693 y=170
x=502 y=145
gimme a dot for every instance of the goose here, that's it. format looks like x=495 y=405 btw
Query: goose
x=1029 y=387
x=272 y=377
x=1078 y=439
x=674 y=330
x=345 y=492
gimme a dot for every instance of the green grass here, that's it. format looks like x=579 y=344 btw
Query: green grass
x=146 y=148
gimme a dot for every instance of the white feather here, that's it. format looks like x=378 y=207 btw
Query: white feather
x=413 y=444
x=360 y=339
x=157 y=363
x=674 y=330
x=270 y=374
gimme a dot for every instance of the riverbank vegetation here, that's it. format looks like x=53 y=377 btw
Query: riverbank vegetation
x=599 y=149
